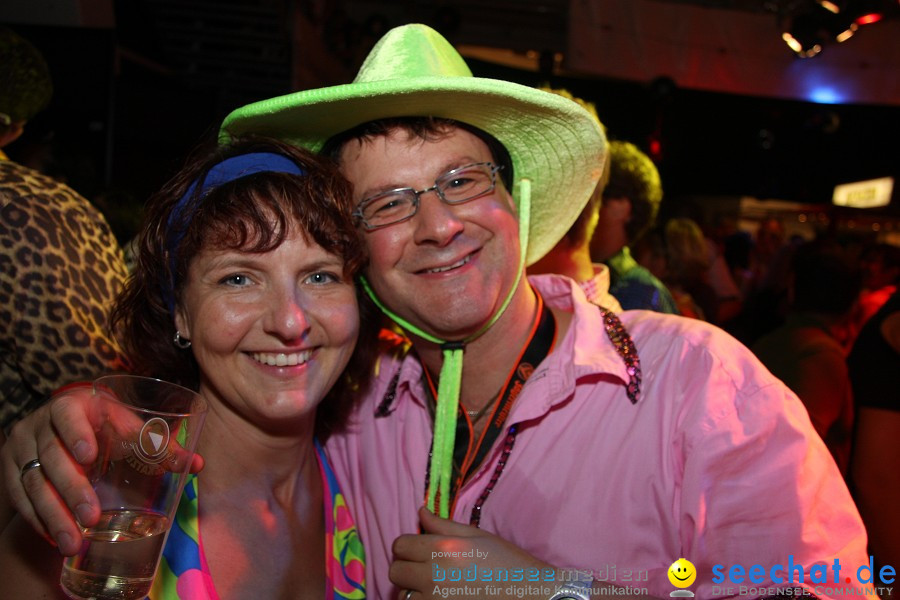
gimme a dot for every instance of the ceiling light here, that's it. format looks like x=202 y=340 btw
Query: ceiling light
x=829 y=6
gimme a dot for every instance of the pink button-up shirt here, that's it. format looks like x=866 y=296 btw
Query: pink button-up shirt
x=717 y=462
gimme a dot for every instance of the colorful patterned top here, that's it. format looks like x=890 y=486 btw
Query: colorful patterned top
x=183 y=573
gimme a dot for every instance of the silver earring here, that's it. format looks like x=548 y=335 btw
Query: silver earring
x=181 y=342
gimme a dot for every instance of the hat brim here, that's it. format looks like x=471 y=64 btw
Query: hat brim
x=551 y=140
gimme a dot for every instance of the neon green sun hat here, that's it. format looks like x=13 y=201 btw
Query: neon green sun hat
x=413 y=71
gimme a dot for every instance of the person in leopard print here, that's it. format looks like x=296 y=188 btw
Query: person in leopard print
x=60 y=266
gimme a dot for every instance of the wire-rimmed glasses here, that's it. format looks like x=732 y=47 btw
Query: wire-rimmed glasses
x=453 y=187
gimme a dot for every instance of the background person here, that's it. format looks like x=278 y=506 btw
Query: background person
x=762 y=268
x=806 y=351
x=628 y=210
x=62 y=266
x=687 y=263
x=244 y=291
x=874 y=366
x=880 y=265
x=571 y=256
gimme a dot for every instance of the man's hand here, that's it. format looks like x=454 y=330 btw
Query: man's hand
x=420 y=561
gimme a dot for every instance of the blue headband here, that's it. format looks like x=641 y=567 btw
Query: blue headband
x=226 y=171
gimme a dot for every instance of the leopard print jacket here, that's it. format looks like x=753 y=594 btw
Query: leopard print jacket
x=60 y=269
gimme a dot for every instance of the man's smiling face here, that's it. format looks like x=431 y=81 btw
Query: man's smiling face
x=447 y=269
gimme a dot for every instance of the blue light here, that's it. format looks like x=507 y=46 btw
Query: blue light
x=825 y=95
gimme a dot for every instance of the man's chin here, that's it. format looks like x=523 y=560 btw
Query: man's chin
x=450 y=325
x=452 y=314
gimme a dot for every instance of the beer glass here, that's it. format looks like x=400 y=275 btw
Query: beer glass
x=146 y=444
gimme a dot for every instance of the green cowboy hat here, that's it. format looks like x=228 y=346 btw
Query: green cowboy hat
x=413 y=71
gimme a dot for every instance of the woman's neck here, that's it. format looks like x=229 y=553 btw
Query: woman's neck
x=262 y=495
x=241 y=456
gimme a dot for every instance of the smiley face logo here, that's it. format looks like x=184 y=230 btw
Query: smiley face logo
x=682 y=573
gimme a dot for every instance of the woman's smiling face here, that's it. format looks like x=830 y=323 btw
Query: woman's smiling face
x=271 y=331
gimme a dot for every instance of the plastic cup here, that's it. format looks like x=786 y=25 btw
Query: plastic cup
x=146 y=446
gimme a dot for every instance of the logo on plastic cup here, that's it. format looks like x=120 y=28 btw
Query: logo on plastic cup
x=151 y=447
x=153 y=441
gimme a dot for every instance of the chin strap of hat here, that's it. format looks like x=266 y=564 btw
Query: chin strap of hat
x=441 y=468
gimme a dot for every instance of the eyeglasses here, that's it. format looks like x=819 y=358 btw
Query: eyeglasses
x=453 y=187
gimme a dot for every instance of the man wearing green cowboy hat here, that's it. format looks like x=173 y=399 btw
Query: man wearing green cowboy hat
x=674 y=468
x=606 y=463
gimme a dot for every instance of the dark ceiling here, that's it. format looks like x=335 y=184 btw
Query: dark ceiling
x=131 y=101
